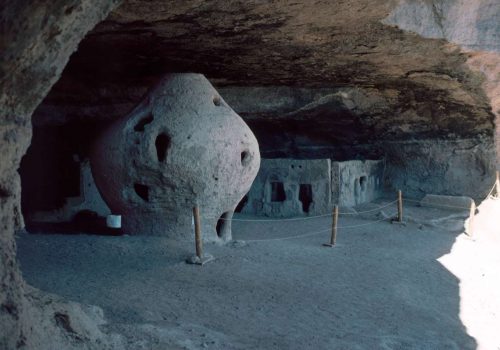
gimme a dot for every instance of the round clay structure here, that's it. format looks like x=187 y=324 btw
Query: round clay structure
x=182 y=146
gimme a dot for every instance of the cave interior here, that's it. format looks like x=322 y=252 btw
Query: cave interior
x=349 y=102
x=350 y=94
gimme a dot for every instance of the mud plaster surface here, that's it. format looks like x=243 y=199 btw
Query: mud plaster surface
x=381 y=288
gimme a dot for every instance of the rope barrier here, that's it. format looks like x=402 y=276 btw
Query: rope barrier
x=340 y=227
x=398 y=219
x=492 y=189
x=438 y=205
x=345 y=213
x=274 y=220
x=371 y=210
x=453 y=206
x=369 y=223
x=312 y=233
x=286 y=238
x=308 y=217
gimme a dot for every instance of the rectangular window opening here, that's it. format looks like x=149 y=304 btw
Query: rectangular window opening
x=277 y=192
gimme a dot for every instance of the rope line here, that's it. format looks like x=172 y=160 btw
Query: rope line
x=356 y=213
x=369 y=223
x=313 y=233
x=286 y=238
x=340 y=227
x=371 y=210
x=274 y=220
x=436 y=205
x=308 y=217
x=492 y=189
x=452 y=206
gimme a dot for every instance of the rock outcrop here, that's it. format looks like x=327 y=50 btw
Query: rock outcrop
x=474 y=25
x=37 y=39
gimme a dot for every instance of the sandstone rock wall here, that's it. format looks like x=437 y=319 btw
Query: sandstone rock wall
x=463 y=167
x=472 y=24
x=37 y=39
x=475 y=25
x=428 y=147
x=344 y=123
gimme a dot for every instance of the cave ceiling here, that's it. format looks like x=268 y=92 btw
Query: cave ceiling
x=422 y=88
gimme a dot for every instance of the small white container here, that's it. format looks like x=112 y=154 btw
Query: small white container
x=114 y=221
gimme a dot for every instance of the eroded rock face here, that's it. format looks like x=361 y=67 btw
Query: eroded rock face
x=349 y=80
x=182 y=146
x=428 y=147
x=37 y=39
x=472 y=24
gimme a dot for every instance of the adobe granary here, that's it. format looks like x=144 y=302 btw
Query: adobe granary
x=181 y=147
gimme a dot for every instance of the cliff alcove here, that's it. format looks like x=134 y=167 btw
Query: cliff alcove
x=411 y=83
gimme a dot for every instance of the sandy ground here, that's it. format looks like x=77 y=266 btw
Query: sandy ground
x=420 y=286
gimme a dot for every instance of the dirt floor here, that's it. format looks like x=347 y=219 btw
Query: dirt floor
x=384 y=286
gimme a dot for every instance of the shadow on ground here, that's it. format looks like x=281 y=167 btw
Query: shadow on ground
x=380 y=288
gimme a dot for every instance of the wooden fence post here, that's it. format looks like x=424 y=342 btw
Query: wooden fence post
x=498 y=184
x=197 y=232
x=399 y=219
x=333 y=238
x=199 y=258
x=472 y=213
x=400 y=206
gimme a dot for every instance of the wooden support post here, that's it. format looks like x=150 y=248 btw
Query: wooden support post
x=199 y=258
x=400 y=206
x=333 y=238
x=498 y=184
x=197 y=232
x=399 y=219
x=470 y=228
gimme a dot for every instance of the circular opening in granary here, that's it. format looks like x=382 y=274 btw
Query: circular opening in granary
x=142 y=191
x=223 y=225
x=141 y=124
x=162 y=145
x=241 y=204
x=245 y=158
x=217 y=101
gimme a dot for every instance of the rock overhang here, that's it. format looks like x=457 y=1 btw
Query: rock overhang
x=297 y=45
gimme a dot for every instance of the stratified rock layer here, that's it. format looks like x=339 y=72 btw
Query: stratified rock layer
x=474 y=25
